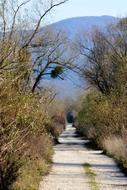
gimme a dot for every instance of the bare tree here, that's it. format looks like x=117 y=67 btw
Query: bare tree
x=10 y=17
x=105 y=58
x=22 y=41
x=51 y=57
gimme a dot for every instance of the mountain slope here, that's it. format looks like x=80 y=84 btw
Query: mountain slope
x=73 y=25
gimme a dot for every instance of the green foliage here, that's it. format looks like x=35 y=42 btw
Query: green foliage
x=9 y=171
x=31 y=174
x=101 y=118
x=99 y=112
x=58 y=70
x=91 y=176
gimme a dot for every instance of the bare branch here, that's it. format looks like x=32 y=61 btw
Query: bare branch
x=15 y=15
x=39 y=21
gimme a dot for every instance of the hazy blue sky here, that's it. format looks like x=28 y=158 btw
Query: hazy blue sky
x=75 y=8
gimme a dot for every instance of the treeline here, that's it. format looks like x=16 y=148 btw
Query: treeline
x=102 y=110
x=31 y=118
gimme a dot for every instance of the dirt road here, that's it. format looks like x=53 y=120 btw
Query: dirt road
x=69 y=172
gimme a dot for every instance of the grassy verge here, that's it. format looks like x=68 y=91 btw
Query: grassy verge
x=91 y=176
x=31 y=174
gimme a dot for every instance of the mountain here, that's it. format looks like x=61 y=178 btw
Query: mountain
x=72 y=26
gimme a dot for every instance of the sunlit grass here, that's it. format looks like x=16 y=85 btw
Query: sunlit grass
x=91 y=176
x=31 y=174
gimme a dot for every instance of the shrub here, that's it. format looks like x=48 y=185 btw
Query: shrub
x=24 y=131
x=103 y=119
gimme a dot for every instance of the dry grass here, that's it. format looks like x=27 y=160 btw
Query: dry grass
x=116 y=146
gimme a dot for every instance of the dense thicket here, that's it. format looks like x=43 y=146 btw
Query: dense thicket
x=102 y=111
x=30 y=119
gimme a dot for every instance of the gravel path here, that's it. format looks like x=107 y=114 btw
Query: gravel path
x=68 y=172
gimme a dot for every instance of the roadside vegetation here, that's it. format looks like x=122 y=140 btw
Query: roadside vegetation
x=102 y=110
x=31 y=118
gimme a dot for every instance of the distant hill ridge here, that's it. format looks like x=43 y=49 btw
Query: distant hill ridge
x=73 y=25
